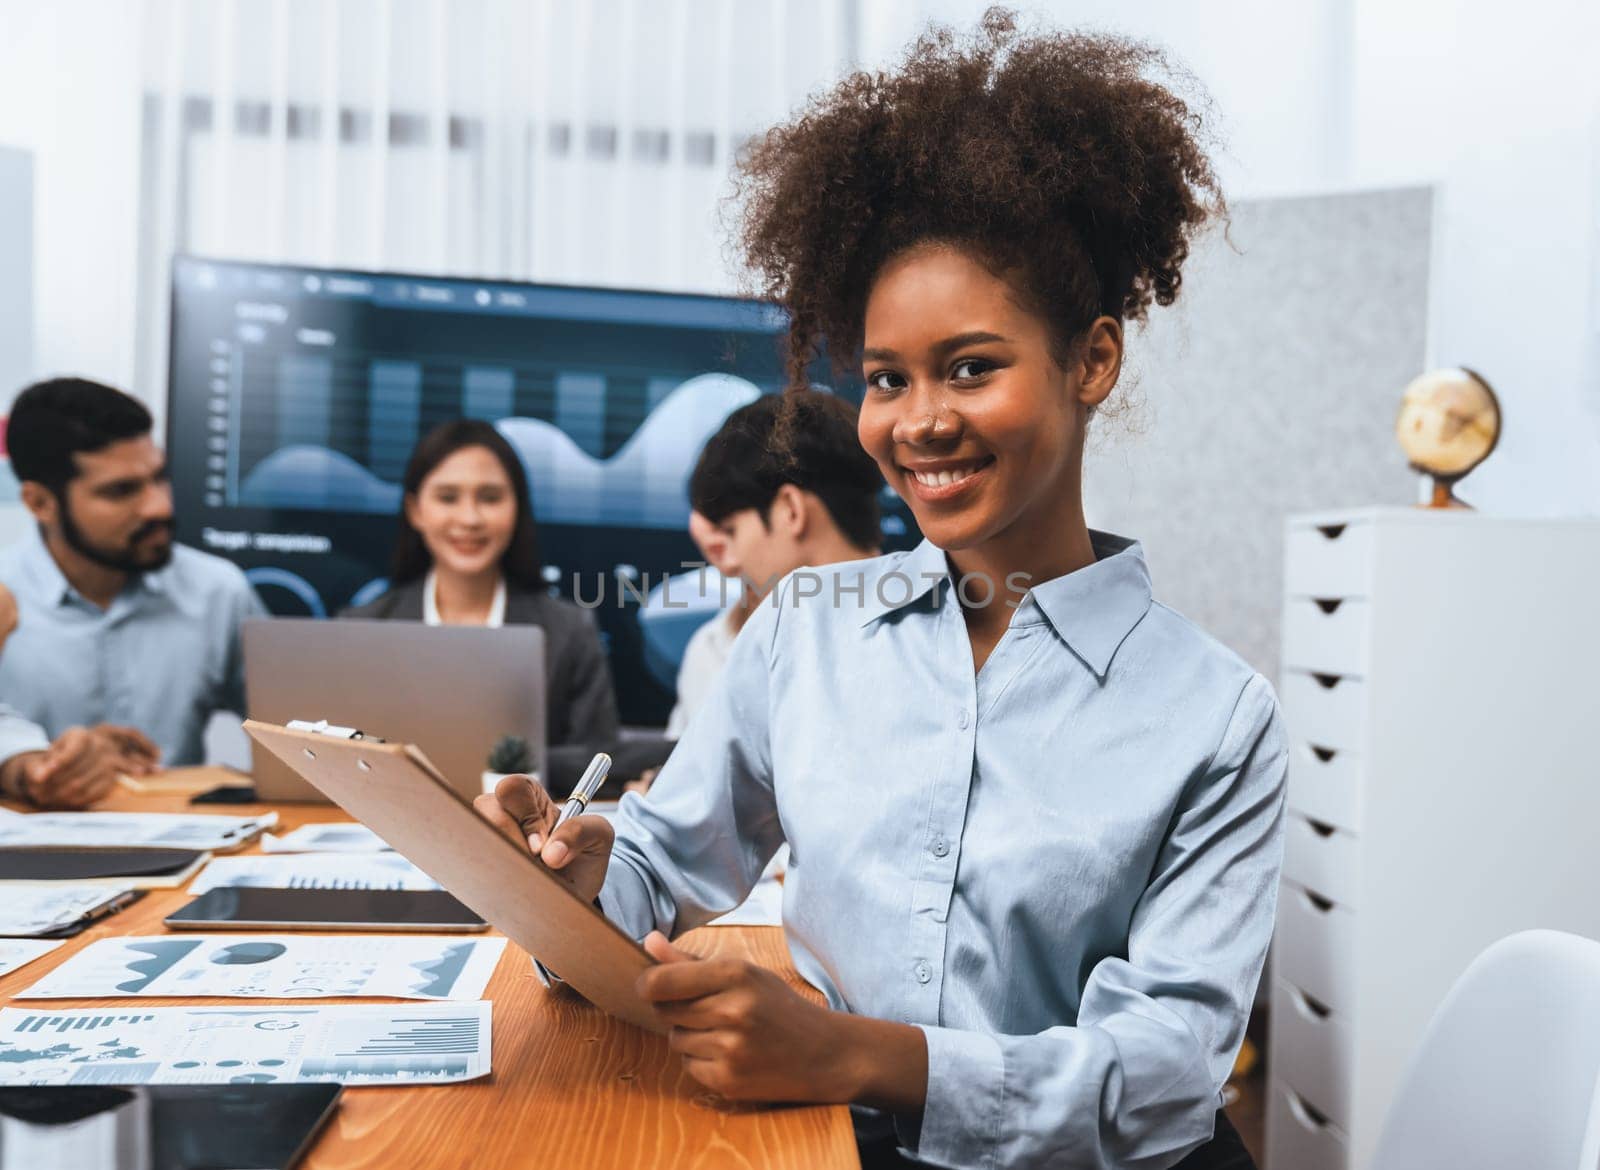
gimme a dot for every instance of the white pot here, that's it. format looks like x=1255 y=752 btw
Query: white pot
x=491 y=779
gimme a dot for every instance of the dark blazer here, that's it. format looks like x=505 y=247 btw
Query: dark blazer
x=581 y=706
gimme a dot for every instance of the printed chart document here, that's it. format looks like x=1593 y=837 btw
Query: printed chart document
x=110 y=830
x=355 y=1044
x=346 y=837
x=287 y=966
x=315 y=871
x=14 y=952
x=39 y=909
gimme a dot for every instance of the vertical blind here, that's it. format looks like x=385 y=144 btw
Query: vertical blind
x=565 y=141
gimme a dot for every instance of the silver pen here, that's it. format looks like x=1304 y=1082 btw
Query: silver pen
x=583 y=792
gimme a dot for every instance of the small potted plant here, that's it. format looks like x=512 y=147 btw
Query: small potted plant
x=510 y=757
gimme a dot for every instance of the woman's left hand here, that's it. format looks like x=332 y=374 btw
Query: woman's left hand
x=745 y=1033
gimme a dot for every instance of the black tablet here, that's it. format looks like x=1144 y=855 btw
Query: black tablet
x=259 y=908
x=162 y=1127
x=82 y=864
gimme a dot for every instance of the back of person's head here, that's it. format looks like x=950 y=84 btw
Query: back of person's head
x=54 y=421
x=520 y=561
x=802 y=437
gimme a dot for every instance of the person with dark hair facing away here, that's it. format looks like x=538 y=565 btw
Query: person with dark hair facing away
x=467 y=554
x=122 y=631
x=775 y=511
x=1035 y=817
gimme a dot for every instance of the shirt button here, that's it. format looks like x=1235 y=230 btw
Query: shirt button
x=923 y=971
x=963 y=719
x=940 y=847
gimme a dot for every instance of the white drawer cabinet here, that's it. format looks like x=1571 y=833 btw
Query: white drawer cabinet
x=1325 y=784
x=1328 y=557
x=1326 y=634
x=1437 y=695
x=1314 y=1051
x=1302 y=1139
x=1326 y=709
x=1315 y=946
x=1322 y=857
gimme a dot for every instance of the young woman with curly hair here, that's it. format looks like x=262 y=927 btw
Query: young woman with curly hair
x=1034 y=815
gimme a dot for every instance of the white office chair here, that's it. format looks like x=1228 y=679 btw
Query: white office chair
x=1508 y=1073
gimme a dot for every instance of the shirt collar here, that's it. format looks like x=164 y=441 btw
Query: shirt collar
x=46 y=582
x=49 y=585
x=430 y=603
x=1093 y=610
x=905 y=581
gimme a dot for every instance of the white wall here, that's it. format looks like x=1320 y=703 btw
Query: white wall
x=1499 y=107
x=60 y=101
x=16 y=269
x=16 y=308
x=68 y=94
x=1276 y=71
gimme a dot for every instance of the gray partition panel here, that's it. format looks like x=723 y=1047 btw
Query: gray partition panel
x=1271 y=387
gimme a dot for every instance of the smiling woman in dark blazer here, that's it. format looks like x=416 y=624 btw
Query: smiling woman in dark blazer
x=467 y=554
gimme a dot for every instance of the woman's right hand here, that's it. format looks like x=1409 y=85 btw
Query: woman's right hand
x=521 y=809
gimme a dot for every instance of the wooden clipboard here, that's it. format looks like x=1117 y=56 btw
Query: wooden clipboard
x=393 y=790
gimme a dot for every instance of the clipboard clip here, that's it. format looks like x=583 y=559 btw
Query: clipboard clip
x=323 y=727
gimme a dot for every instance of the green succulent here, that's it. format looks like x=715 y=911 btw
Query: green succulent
x=511 y=754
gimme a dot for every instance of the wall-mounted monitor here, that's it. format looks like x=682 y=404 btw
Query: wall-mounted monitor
x=297 y=394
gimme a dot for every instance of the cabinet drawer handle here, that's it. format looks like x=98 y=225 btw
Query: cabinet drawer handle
x=1327 y=681
x=1317 y=902
x=1331 y=531
x=1328 y=605
x=1313 y=1119
x=1311 y=1008
x=1324 y=754
x=1320 y=828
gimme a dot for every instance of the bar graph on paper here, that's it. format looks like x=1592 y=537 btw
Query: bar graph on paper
x=80 y=1023
x=350 y=1043
x=417 y=1047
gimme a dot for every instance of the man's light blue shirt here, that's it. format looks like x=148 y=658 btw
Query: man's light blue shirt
x=1063 y=870
x=17 y=735
x=162 y=658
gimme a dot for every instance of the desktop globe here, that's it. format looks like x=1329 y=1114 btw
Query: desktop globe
x=1449 y=422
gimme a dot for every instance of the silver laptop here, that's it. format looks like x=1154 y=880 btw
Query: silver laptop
x=454 y=691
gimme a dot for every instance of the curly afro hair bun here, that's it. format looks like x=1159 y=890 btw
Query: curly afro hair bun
x=1067 y=163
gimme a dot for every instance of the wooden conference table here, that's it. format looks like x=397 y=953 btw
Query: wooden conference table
x=571 y=1086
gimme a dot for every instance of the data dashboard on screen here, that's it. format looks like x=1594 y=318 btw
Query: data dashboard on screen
x=297 y=394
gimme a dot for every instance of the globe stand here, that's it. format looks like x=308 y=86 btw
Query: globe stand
x=1443 y=494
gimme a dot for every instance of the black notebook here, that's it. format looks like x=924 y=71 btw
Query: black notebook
x=81 y=865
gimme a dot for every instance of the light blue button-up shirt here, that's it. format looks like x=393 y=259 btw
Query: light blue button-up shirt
x=1063 y=870
x=162 y=658
x=17 y=735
